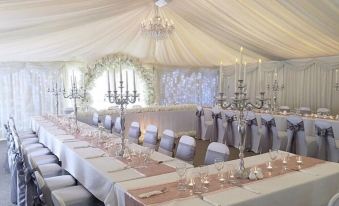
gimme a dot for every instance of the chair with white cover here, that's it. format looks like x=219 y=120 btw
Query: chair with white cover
x=117 y=125
x=334 y=201
x=284 y=109
x=328 y=146
x=151 y=136
x=47 y=185
x=304 y=110
x=204 y=127
x=216 y=150
x=217 y=121
x=74 y=196
x=95 y=119
x=323 y=111
x=186 y=149
x=108 y=123
x=297 y=141
x=134 y=132
x=167 y=142
x=232 y=134
x=270 y=138
x=252 y=133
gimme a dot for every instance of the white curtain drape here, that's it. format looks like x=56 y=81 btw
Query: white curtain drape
x=305 y=82
x=24 y=93
x=187 y=86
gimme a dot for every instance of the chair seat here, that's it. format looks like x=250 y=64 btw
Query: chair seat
x=50 y=170
x=26 y=149
x=36 y=161
x=73 y=196
x=26 y=135
x=30 y=140
x=54 y=183
x=312 y=146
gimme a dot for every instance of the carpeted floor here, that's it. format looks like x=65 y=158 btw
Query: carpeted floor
x=4 y=178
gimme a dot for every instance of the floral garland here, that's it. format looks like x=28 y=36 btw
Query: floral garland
x=113 y=62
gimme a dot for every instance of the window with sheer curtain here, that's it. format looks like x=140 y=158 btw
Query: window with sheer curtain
x=188 y=86
x=99 y=91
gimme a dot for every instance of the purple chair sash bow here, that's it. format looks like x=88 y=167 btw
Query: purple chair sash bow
x=215 y=117
x=294 y=128
x=324 y=133
x=268 y=143
x=199 y=113
x=229 y=140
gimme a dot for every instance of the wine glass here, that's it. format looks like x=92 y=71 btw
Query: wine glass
x=284 y=159
x=219 y=165
x=181 y=171
x=203 y=171
x=231 y=173
x=273 y=153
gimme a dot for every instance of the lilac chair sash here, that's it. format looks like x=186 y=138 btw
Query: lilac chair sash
x=296 y=138
x=270 y=139
x=327 y=148
x=215 y=117
x=198 y=114
x=231 y=131
x=252 y=137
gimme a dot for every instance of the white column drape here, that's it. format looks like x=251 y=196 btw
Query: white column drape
x=24 y=93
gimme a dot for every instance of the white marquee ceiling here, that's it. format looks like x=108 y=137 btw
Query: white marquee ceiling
x=207 y=31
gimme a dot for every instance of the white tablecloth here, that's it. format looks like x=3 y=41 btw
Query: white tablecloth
x=95 y=172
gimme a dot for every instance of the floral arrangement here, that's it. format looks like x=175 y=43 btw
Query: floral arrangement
x=113 y=62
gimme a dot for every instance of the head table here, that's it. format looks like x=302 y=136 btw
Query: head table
x=112 y=181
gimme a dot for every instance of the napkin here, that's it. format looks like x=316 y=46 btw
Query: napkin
x=150 y=194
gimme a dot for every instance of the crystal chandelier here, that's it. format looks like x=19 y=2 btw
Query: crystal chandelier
x=157 y=27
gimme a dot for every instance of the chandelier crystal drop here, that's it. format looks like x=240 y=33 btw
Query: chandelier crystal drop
x=157 y=27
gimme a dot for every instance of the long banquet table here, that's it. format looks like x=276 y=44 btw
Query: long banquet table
x=111 y=182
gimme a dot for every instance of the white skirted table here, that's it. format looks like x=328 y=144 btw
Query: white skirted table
x=115 y=184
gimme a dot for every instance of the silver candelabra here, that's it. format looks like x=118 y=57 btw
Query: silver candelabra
x=122 y=99
x=56 y=91
x=275 y=89
x=75 y=93
x=240 y=102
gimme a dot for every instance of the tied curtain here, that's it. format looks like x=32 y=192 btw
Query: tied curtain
x=24 y=93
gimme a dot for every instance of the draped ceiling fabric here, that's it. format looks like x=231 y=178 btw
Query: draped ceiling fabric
x=207 y=31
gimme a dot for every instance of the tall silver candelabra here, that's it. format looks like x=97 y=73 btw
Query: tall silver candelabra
x=275 y=89
x=240 y=102
x=122 y=99
x=56 y=91
x=75 y=93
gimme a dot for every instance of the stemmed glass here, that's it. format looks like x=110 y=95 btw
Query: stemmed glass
x=273 y=153
x=219 y=165
x=203 y=171
x=284 y=159
x=181 y=171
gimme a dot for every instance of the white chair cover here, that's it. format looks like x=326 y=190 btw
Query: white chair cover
x=334 y=201
x=323 y=111
x=327 y=148
x=108 y=123
x=73 y=196
x=232 y=134
x=206 y=126
x=47 y=185
x=117 y=125
x=216 y=150
x=151 y=136
x=296 y=141
x=222 y=127
x=186 y=148
x=216 y=117
x=284 y=108
x=95 y=119
x=270 y=138
x=167 y=142
x=134 y=132
x=252 y=133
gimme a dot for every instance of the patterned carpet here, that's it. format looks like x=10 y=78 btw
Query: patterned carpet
x=4 y=178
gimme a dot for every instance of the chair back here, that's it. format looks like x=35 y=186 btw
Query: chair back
x=151 y=136
x=199 y=113
x=95 y=119
x=167 y=142
x=284 y=109
x=134 y=132
x=270 y=139
x=186 y=148
x=217 y=120
x=296 y=140
x=216 y=150
x=327 y=148
x=305 y=110
x=108 y=123
x=334 y=201
x=232 y=134
x=117 y=125
x=252 y=133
